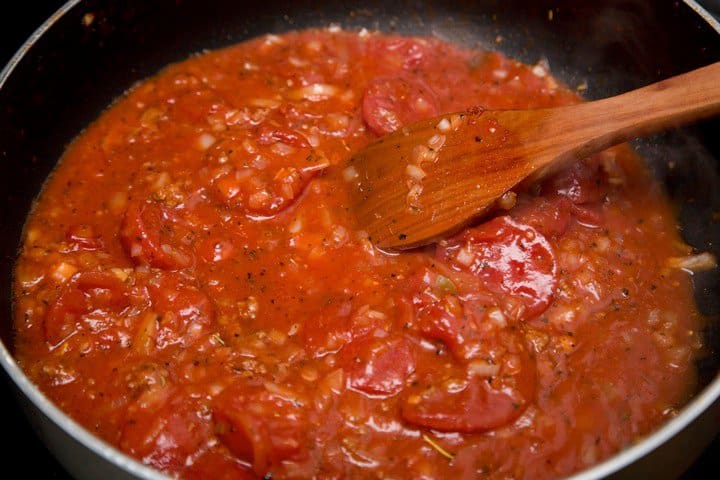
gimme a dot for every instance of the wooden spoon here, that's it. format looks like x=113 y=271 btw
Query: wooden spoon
x=433 y=177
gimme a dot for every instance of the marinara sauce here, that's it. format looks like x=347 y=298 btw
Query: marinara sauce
x=192 y=289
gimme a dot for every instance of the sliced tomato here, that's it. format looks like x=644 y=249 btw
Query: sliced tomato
x=184 y=312
x=549 y=215
x=392 y=102
x=412 y=52
x=378 y=366
x=99 y=293
x=439 y=314
x=154 y=234
x=169 y=432
x=581 y=183
x=473 y=403
x=332 y=329
x=260 y=427
x=510 y=258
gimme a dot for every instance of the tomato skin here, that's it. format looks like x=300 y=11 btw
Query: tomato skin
x=392 y=102
x=185 y=311
x=167 y=428
x=260 y=427
x=477 y=408
x=331 y=330
x=411 y=53
x=482 y=402
x=378 y=366
x=86 y=292
x=510 y=258
x=150 y=235
x=580 y=184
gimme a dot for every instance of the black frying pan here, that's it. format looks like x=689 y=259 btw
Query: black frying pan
x=73 y=71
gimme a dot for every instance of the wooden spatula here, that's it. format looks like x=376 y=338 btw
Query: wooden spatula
x=431 y=178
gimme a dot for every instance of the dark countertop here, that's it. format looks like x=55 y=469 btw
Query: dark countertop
x=17 y=22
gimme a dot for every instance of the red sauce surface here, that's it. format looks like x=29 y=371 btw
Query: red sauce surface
x=192 y=290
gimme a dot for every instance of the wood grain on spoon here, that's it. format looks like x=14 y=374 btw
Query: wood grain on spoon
x=433 y=177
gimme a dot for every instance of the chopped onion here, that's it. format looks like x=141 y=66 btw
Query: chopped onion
x=443 y=125
x=296 y=62
x=483 y=368
x=264 y=102
x=296 y=225
x=464 y=257
x=63 y=271
x=349 y=174
x=415 y=172
x=413 y=196
x=539 y=71
x=507 y=201
x=294 y=328
x=500 y=74
x=314 y=93
x=693 y=263
x=436 y=142
x=282 y=149
x=206 y=141
x=496 y=316
x=421 y=154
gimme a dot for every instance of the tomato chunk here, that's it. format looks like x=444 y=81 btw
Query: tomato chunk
x=167 y=430
x=410 y=52
x=260 y=427
x=509 y=258
x=392 y=102
x=332 y=329
x=378 y=366
x=184 y=312
x=153 y=234
x=484 y=394
x=99 y=293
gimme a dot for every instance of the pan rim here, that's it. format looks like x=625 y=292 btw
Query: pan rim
x=699 y=404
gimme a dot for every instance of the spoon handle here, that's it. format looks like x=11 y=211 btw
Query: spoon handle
x=597 y=125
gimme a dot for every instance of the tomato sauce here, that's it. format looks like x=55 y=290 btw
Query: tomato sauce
x=192 y=288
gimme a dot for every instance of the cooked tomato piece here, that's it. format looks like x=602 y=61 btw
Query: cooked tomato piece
x=183 y=311
x=100 y=293
x=378 y=366
x=168 y=429
x=392 y=102
x=510 y=258
x=581 y=183
x=260 y=427
x=218 y=466
x=330 y=330
x=412 y=52
x=480 y=398
x=153 y=234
